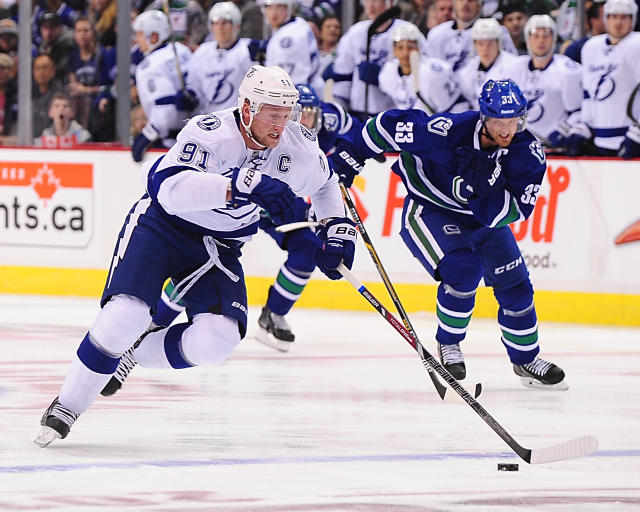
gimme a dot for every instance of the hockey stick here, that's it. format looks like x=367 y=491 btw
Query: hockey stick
x=633 y=106
x=574 y=448
x=440 y=388
x=414 y=59
x=165 y=9
x=292 y=226
x=327 y=92
x=391 y=13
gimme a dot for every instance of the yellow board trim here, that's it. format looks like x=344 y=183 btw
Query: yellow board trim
x=553 y=306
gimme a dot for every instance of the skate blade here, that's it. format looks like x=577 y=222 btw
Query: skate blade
x=529 y=382
x=271 y=341
x=46 y=436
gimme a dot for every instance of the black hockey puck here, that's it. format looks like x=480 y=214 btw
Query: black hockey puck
x=508 y=467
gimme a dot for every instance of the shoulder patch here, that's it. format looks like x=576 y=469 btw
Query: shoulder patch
x=209 y=122
x=435 y=66
x=330 y=122
x=440 y=126
x=308 y=133
x=537 y=151
x=286 y=42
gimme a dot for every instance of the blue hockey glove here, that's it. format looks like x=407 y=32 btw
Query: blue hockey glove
x=338 y=238
x=251 y=186
x=186 y=100
x=143 y=141
x=368 y=72
x=579 y=136
x=345 y=162
x=257 y=50
x=629 y=149
x=557 y=139
x=479 y=170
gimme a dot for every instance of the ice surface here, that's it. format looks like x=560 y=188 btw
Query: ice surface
x=348 y=420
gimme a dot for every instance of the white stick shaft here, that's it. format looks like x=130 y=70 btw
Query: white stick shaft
x=285 y=228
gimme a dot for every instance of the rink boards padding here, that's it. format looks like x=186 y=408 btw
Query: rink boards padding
x=61 y=211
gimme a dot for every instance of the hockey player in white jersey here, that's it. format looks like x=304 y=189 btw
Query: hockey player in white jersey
x=202 y=204
x=159 y=83
x=610 y=71
x=552 y=83
x=438 y=87
x=489 y=63
x=292 y=45
x=451 y=40
x=217 y=67
x=356 y=76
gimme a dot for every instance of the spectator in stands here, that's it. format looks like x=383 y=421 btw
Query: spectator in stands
x=64 y=131
x=8 y=100
x=102 y=15
x=439 y=12
x=330 y=32
x=9 y=38
x=514 y=16
x=451 y=41
x=66 y=16
x=138 y=121
x=57 y=42
x=45 y=86
x=9 y=9
x=188 y=21
x=595 y=27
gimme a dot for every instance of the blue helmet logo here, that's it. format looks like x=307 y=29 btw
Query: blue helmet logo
x=308 y=97
x=503 y=99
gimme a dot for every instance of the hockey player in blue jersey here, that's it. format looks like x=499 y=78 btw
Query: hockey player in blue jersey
x=331 y=123
x=468 y=177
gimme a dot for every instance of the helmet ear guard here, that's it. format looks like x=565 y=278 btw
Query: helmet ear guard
x=503 y=99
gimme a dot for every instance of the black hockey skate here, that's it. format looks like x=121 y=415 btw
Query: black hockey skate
x=541 y=374
x=274 y=331
x=126 y=364
x=452 y=360
x=56 y=423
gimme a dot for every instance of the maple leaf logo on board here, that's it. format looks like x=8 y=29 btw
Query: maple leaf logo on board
x=45 y=183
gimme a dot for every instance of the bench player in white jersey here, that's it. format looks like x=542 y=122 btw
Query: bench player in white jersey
x=159 y=82
x=552 y=83
x=489 y=62
x=292 y=45
x=202 y=204
x=438 y=87
x=217 y=67
x=610 y=71
x=451 y=40
x=356 y=78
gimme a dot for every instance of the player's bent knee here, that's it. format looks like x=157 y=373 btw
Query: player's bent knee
x=462 y=270
x=210 y=339
x=517 y=299
x=120 y=323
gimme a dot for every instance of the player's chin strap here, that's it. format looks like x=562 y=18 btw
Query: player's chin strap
x=247 y=128
x=185 y=284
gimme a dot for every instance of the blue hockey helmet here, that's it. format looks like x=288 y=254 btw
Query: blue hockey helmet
x=311 y=111
x=503 y=99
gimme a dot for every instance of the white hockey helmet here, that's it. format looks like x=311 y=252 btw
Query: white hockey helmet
x=621 y=7
x=225 y=11
x=264 y=85
x=486 y=28
x=406 y=32
x=153 y=22
x=289 y=3
x=543 y=21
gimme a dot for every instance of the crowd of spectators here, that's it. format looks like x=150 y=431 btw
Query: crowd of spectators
x=74 y=57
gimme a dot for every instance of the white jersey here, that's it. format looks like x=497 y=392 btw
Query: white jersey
x=351 y=51
x=157 y=78
x=212 y=144
x=215 y=74
x=473 y=76
x=552 y=93
x=294 y=48
x=447 y=42
x=438 y=86
x=609 y=74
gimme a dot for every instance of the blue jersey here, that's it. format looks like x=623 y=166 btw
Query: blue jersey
x=427 y=163
x=336 y=122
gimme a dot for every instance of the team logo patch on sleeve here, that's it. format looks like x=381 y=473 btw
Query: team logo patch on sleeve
x=308 y=133
x=209 y=122
x=286 y=42
x=330 y=122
